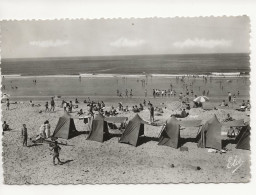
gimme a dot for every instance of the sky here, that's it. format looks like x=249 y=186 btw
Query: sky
x=100 y=37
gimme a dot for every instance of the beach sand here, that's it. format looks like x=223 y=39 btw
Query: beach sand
x=113 y=162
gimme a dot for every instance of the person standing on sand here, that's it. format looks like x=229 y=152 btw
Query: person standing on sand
x=229 y=96
x=46 y=106
x=131 y=93
x=52 y=105
x=47 y=129
x=151 y=109
x=56 y=153
x=7 y=104
x=126 y=93
x=24 y=134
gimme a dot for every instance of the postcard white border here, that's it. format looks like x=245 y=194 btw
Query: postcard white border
x=61 y=9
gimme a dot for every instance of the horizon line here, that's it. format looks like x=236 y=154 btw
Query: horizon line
x=2 y=58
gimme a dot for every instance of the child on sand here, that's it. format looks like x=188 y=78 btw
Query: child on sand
x=56 y=149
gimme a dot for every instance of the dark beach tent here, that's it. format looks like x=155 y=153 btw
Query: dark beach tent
x=244 y=138
x=133 y=131
x=210 y=134
x=99 y=129
x=65 y=127
x=170 y=135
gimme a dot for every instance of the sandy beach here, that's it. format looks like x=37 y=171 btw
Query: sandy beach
x=112 y=162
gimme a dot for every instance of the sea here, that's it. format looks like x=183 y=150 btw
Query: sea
x=68 y=76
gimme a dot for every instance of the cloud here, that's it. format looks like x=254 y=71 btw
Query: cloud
x=124 y=42
x=49 y=43
x=203 y=43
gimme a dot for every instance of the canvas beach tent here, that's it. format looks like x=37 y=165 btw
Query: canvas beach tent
x=99 y=129
x=210 y=134
x=243 y=138
x=65 y=127
x=170 y=135
x=133 y=130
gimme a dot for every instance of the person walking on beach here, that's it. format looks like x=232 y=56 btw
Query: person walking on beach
x=56 y=153
x=131 y=93
x=7 y=104
x=52 y=105
x=24 y=134
x=229 y=96
x=46 y=106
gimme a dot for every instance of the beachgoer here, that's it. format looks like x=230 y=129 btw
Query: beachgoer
x=91 y=110
x=126 y=93
x=24 y=134
x=238 y=93
x=52 y=105
x=5 y=127
x=131 y=93
x=141 y=107
x=146 y=92
x=42 y=131
x=56 y=152
x=151 y=113
x=234 y=99
x=144 y=102
x=80 y=112
x=223 y=104
x=183 y=113
x=7 y=104
x=228 y=118
x=47 y=129
x=76 y=101
x=248 y=106
x=70 y=106
x=46 y=106
x=229 y=96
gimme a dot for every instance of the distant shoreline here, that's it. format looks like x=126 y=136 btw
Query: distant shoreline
x=84 y=75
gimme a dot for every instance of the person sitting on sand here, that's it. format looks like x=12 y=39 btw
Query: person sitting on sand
x=248 y=106
x=80 y=112
x=243 y=103
x=5 y=127
x=228 y=118
x=76 y=101
x=223 y=104
x=113 y=111
x=126 y=109
x=183 y=114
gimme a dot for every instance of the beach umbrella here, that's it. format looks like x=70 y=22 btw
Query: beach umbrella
x=5 y=96
x=201 y=99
